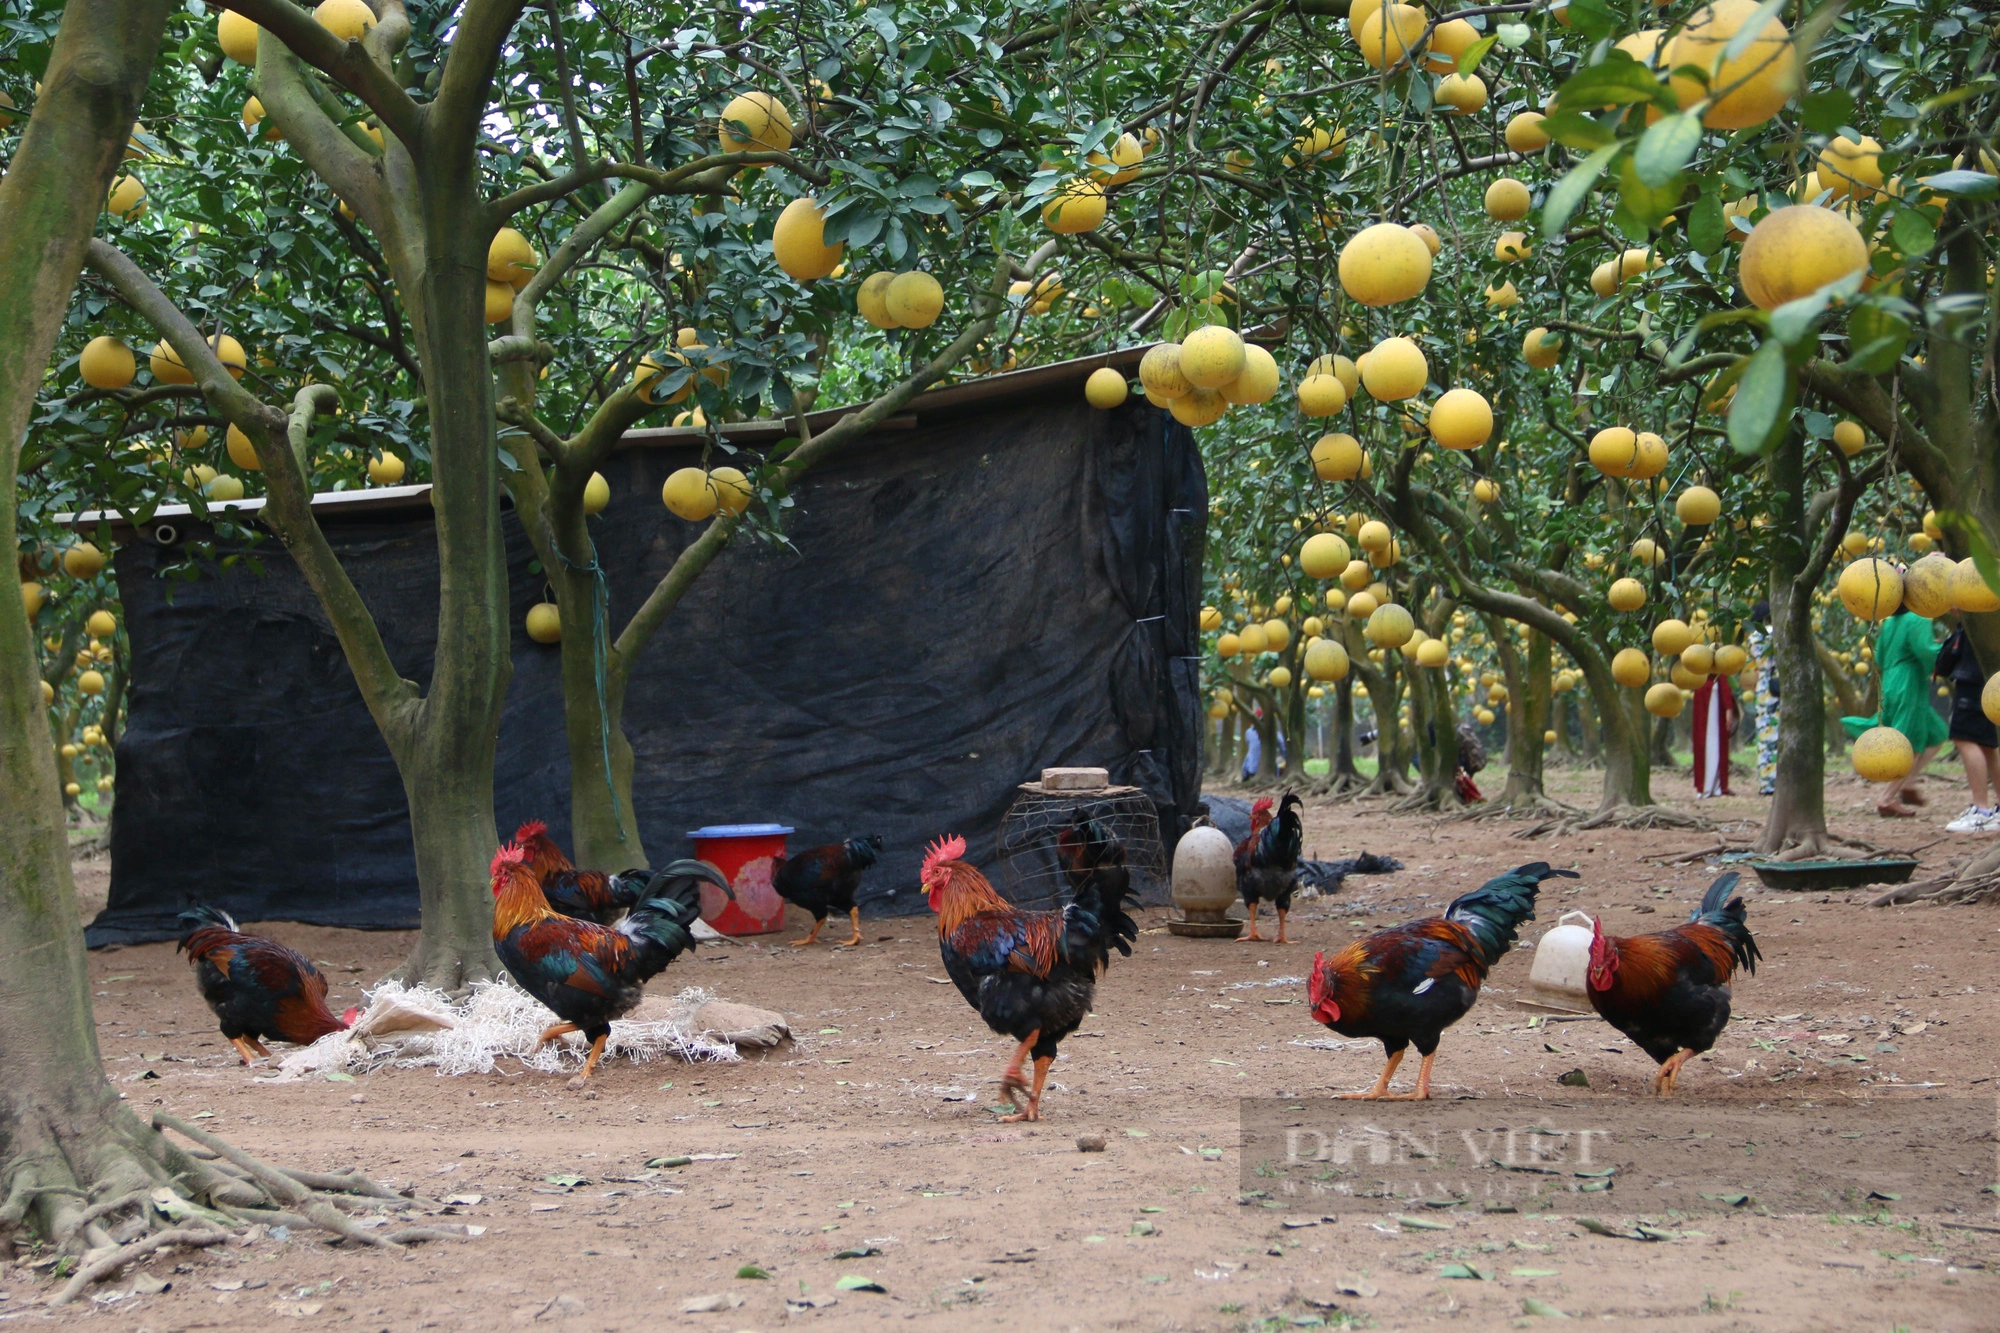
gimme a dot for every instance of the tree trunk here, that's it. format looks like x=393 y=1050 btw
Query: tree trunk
x=65 y=1137
x=1797 y=817
x=1528 y=690
x=1586 y=728
x=1436 y=731
x=1344 y=771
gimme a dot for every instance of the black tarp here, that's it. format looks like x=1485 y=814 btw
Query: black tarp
x=1004 y=586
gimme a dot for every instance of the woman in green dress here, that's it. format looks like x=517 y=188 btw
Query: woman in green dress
x=1905 y=652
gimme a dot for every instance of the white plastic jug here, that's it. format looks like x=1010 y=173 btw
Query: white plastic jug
x=1562 y=961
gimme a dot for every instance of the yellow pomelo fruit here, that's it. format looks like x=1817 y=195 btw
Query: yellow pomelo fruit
x=1428 y=235
x=1337 y=457
x=1927 y=585
x=499 y=302
x=1078 y=206
x=237 y=36
x=1212 y=356
x=1931 y=527
x=510 y=258
x=90 y=682
x=1257 y=382
x=1512 y=247
x=1698 y=658
x=1854 y=543
x=1524 y=132
x=688 y=494
x=1989 y=698
x=386 y=469
x=1228 y=645
x=1614 y=451
x=596 y=494
x=1160 y=371
x=1449 y=40
x=1871 y=589
x=646 y=375
x=253 y=116
x=1698 y=506
x=199 y=475
x=1461 y=419
x=1313 y=141
x=1387 y=36
x=1671 y=636
x=102 y=624
x=1362 y=605
x=1485 y=491
x=1604 y=278
x=1357 y=575
x=1326 y=660
x=126 y=198
x=1198 y=407
x=1324 y=556
x=1105 y=388
x=230 y=353
x=224 y=487
x=83 y=560
x=1280 y=677
x=1374 y=535
x=1631 y=668
x=1730 y=659
x=1508 y=200
x=1358 y=13
x=1463 y=93
x=1211 y=619
x=1652 y=460
x=914 y=299
x=1541 y=349
x=1503 y=297
x=1970 y=592
x=1127 y=152
x=1753 y=85
x=1645 y=46
x=1796 y=251
x=1665 y=700
x=1321 y=395
x=1433 y=653
x=1883 y=754
x=1342 y=369
x=1336 y=598
x=1396 y=370
x=732 y=489
x=1485 y=717
x=1253 y=639
x=544 y=623
x=1685 y=679
x=106 y=363
x=1627 y=595
x=765 y=125
x=868 y=300
x=1389 y=626
x=1849 y=168
x=241 y=451
x=1647 y=552
x=798 y=241
x=1384 y=264
x=348 y=20
x=1276 y=635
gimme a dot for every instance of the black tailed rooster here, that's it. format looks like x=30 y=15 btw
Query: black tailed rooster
x=257 y=987
x=1669 y=991
x=1406 y=985
x=1031 y=975
x=1267 y=862
x=587 y=895
x=824 y=880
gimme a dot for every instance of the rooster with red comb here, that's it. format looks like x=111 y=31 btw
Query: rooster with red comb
x=1031 y=975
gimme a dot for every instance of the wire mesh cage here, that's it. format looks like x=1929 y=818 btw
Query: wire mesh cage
x=1031 y=874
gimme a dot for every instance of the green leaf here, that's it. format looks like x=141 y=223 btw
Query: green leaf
x=1825 y=112
x=1568 y=194
x=1912 y=232
x=1795 y=319
x=1617 y=80
x=1876 y=338
x=1707 y=228
x=856 y=1282
x=750 y=1271
x=1665 y=148
x=1648 y=205
x=1573 y=129
x=1469 y=62
x=1532 y=1305
x=1763 y=395
x=1963 y=184
x=566 y=1180
x=1465 y=1271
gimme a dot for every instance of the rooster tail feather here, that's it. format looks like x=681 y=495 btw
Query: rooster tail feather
x=1729 y=915
x=1096 y=922
x=1494 y=911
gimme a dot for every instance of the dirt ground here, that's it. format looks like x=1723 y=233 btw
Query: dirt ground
x=874 y=1134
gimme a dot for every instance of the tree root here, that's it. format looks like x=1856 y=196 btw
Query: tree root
x=1620 y=816
x=1947 y=891
x=1548 y=807
x=100 y=1269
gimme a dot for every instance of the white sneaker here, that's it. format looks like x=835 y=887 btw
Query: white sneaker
x=1974 y=820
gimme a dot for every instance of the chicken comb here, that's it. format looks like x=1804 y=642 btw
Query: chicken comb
x=534 y=828
x=1262 y=807
x=941 y=851
x=510 y=854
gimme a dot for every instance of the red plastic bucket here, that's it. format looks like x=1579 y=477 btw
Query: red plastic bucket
x=743 y=853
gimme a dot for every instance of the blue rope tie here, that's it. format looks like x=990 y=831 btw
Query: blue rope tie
x=600 y=654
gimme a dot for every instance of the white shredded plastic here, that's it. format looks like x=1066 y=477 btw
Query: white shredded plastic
x=413 y=1027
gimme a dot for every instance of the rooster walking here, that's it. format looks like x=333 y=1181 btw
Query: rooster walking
x=1404 y=986
x=1669 y=991
x=257 y=987
x=824 y=880
x=586 y=973
x=1031 y=975
x=587 y=895
x=1267 y=862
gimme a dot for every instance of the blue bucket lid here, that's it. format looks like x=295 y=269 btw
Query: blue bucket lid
x=740 y=831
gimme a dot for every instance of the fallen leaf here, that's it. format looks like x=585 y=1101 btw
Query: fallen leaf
x=670 y=1161
x=566 y=1181
x=856 y=1282
x=858 y=1252
x=1465 y=1271
x=1422 y=1224
x=1530 y=1305
x=1536 y=1272
x=750 y=1271
x=710 y=1304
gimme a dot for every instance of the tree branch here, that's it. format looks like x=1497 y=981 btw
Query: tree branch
x=703 y=175
x=347 y=63
x=460 y=107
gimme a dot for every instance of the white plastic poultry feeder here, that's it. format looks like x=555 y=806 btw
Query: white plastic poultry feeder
x=1561 y=971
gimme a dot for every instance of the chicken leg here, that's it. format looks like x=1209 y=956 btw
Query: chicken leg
x=1381 y=1088
x=589 y=1064
x=819 y=922
x=553 y=1031
x=854 y=916
x=1011 y=1084
x=250 y=1049
x=1282 y=914
x=1250 y=934
x=1034 y=1111
x=1670 y=1070
x=1423 y=1092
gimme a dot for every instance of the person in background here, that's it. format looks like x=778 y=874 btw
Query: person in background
x=1764 y=697
x=1253 y=750
x=1905 y=654
x=1715 y=717
x=1972 y=732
